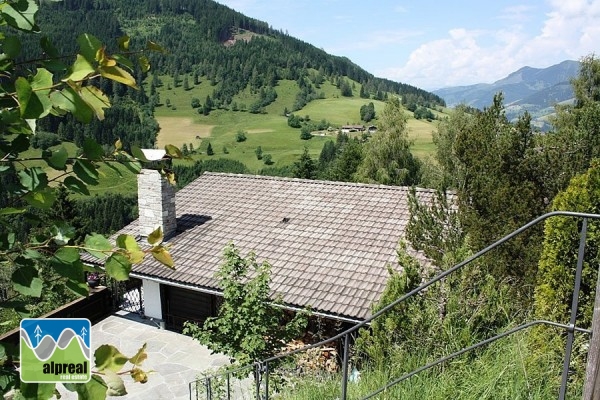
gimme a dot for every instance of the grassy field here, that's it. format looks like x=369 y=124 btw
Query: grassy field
x=180 y=123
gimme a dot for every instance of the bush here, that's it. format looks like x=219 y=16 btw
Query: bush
x=44 y=140
x=240 y=136
x=268 y=159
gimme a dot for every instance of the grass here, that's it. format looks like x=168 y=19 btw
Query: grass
x=507 y=369
x=181 y=124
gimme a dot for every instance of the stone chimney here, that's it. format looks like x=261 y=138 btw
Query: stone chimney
x=156 y=203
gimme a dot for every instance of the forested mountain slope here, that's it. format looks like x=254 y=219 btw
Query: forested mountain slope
x=200 y=36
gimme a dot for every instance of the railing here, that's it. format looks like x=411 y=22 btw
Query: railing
x=260 y=370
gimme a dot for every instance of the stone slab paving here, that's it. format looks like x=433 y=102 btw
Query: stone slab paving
x=176 y=359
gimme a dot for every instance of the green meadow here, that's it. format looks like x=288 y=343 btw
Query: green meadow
x=180 y=123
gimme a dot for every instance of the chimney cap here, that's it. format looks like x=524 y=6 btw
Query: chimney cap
x=154 y=154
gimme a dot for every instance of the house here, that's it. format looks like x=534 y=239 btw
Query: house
x=328 y=242
x=353 y=128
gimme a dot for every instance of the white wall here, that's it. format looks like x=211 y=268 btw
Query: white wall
x=152 y=303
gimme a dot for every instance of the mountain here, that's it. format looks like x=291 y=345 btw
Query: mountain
x=535 y=90
x=213 y=42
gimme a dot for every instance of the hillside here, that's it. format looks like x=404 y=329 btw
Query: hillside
x=535 y=90
x=225 y=72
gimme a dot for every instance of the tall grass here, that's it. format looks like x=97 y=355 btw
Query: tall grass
x=507 y=369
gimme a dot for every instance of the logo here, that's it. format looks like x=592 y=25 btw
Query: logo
x=55 y=350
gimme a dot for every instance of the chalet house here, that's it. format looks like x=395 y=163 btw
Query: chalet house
x=353 y=128
x=328 y=242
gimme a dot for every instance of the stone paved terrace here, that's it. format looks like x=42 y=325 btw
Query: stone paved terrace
x=177 y=359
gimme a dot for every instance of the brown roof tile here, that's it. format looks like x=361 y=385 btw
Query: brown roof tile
x=330 y=254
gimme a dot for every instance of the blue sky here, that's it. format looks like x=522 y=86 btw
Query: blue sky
x=434 y=44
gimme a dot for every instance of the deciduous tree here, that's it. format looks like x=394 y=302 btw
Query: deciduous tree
x=387 y=157
x=250 y=326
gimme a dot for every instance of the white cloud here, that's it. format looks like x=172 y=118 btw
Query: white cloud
x=570 y=31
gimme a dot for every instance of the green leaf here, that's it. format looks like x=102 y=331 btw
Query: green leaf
x=89 y=46
x=7 y=240
x=96 y=100
x=76 y=186
x=144 y=63
x=134 y=252
x=117 y=266
x=94 y=389
x=62 y=233
x=20 y=143
x=156 y=236
x=56 y=159
x=108 y=358
x=11 y=46
x=97 y=245
x=133 y=166
x=37 y=391
x=123 y=43
x=53 y=63
x=118 y=74
x=19 y=306
x=173 y=151
x=116 y=170
x=69 y=100
x=116 y=386
x=140 y=356
x=33 y=178
x=26 y=281
x=154 y=47
x=138 y=153
x=49 y=48
x=81 y=69
x=67 y=264
x=79 y=288
x=162 y=255
x=12 y=210
x=86 y=171
x=39 y=104
x=122 y=60
x=24 y=92
x=92 y=150
x=21 y=15
x=43 y=199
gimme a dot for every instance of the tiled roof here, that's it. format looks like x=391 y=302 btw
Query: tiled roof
x=328 y=242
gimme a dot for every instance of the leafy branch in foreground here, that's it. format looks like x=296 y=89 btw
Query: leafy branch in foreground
x=54 y=84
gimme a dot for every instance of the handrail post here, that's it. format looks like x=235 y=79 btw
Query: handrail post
x=574 y=304
x=257 y=379
x=266 y=380
x=345 y=367
x=591 y=387
x=228 y=385
x=208 y=386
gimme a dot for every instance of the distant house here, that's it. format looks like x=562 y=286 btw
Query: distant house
x=328 y=242
x=353 y=128
x=372 y=129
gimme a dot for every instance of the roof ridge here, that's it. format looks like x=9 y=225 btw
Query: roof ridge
x=317 y=181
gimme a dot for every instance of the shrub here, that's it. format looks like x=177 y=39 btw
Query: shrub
x=240 y=136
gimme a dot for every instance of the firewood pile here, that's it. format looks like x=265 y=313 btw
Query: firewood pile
x=319 y=359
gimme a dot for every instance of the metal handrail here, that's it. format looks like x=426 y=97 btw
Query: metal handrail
x=345 y=334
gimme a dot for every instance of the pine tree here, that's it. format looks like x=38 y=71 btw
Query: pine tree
x=209 y=150
x=305 y=167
